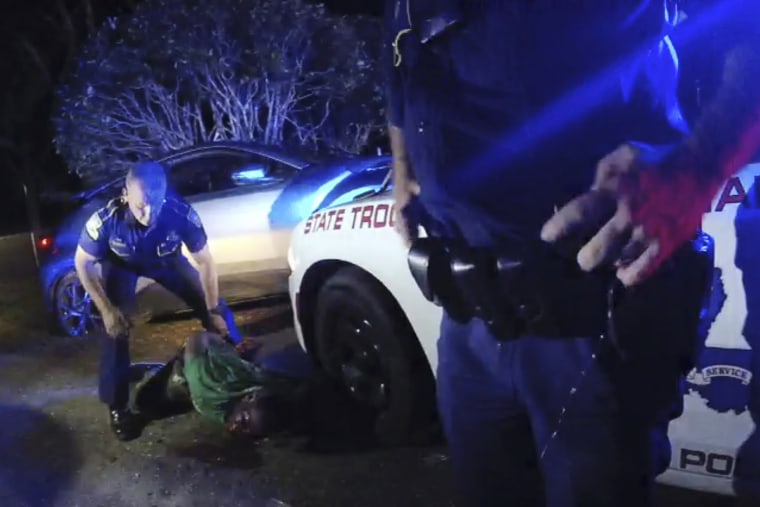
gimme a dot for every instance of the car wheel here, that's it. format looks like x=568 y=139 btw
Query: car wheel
x=363 y=340
x=76 y=314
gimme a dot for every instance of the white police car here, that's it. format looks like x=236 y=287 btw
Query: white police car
x=359 y=312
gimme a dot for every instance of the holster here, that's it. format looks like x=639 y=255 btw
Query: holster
x=547 y=294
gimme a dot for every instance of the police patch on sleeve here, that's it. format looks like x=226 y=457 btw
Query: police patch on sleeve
x=193 y=217
x=93 y=226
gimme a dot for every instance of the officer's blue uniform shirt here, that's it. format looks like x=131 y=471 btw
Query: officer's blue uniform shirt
x=113 y=233
x=461 y=94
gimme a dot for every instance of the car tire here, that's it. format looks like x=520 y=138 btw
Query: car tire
x=70 y=295
x=96 y=326
x=407 y=412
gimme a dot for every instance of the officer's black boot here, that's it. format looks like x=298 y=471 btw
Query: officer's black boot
x=125 y=424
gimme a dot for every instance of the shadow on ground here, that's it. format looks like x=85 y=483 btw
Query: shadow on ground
x=40 y=457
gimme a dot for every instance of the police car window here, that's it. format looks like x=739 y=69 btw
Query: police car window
x=251 y=170
x=190 y=177
x=214 y=173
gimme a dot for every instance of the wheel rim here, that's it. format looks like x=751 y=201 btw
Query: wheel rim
x=356 y=359
x=76 y=312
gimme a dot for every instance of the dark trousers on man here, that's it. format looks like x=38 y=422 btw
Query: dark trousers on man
x=120 y=281
x=501 y=400
x=500 y=403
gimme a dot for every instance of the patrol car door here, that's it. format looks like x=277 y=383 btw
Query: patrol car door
x=233 y=193
x=718 y=428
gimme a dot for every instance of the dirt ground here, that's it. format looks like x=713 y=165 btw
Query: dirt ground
x=56 y=449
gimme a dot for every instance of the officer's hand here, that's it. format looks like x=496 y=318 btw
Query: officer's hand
x=402 y=196
x=247 y=345
x=116 y=323
x=643 y=205
x=219 y=324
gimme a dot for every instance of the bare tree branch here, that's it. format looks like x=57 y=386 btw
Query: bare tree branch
x=270 y=71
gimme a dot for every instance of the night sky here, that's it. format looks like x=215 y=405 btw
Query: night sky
x=38 y=24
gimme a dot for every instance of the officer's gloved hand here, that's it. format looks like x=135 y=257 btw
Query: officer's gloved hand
x=655 y=201
x=116 y=323
x=249 y=346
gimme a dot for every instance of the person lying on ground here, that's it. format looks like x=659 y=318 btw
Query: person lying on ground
x=227 y=387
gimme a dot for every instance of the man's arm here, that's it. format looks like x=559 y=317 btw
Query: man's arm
x=84 y=263
x=392 y=61
x=397 y=26
x=659 y=204
x=92 y=247
x=208 y=275
x=668 y=203
x=195 y=239
x=403 y=178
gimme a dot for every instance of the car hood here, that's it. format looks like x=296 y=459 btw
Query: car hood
x=307 y=189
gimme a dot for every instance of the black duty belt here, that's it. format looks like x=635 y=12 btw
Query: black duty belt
x=542 y=295
x=546 y=294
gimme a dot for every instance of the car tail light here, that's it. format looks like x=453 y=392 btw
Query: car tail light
x=45 y=243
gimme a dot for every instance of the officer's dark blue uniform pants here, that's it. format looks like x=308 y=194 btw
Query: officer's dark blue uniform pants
x=500 y=402
x=120 y=282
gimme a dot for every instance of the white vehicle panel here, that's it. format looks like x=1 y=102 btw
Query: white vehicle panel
x=238 y=229
x=240 y=237
x=716 y=423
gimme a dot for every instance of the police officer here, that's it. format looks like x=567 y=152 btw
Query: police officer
x=502 y=114
x=141 y=235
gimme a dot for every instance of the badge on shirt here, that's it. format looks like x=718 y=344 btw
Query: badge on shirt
x=93 y=226
x=170 y=245
x=194 y=218
x=121 y=248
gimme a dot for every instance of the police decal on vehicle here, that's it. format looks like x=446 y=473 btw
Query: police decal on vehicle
x=705 y=462
x=368 y=216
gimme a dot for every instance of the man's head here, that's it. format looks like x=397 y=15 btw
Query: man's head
x=145 y=191
x=253 y=415
x=247 y=417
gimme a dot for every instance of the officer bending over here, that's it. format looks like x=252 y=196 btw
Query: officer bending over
x=141 y=235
